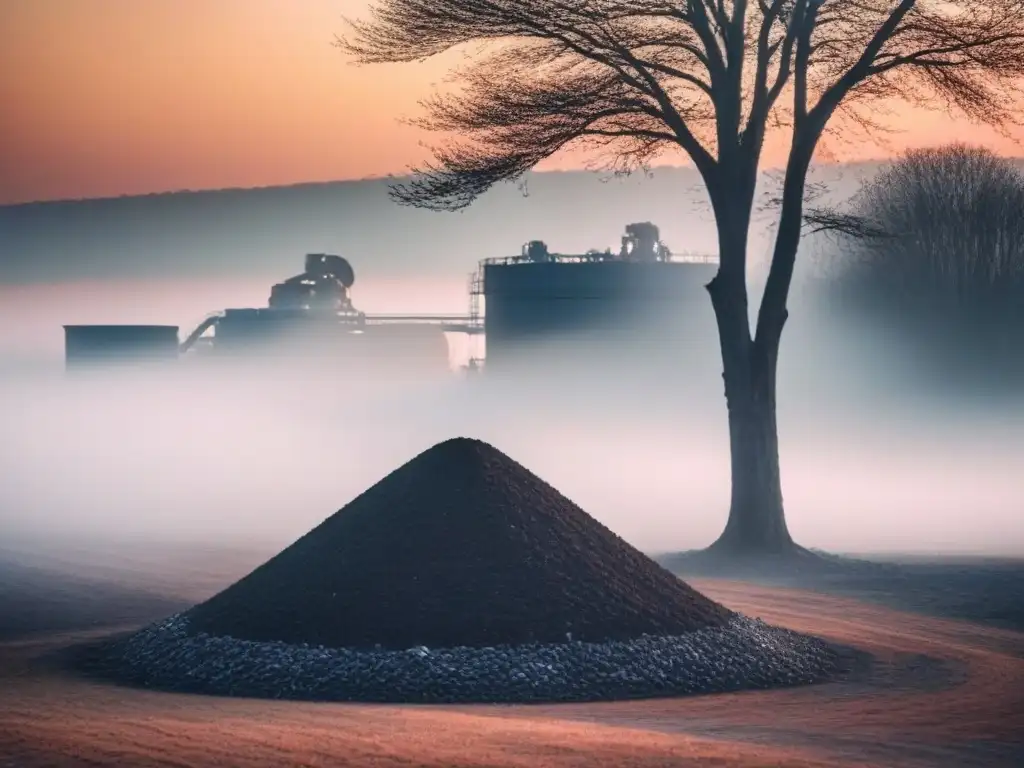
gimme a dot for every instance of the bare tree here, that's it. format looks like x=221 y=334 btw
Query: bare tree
x=637 y=78
x=938 y=255
x=953 y=222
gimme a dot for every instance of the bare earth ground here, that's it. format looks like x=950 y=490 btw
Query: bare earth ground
x=936 y=692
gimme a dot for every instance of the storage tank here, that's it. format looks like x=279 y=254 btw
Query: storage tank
x=86 y=345
x=614 y=310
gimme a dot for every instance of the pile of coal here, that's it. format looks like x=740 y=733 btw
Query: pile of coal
x=462 y=546
x=462 y=576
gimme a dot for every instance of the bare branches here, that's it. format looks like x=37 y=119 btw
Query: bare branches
x=966 y=56
x=765 y=96
x=513 y=122
x=842 y=224
x=562 y=55
x=953 y=224
x=635 y=77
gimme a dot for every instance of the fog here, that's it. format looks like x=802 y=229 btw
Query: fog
x=876 y=455
x=243 y=456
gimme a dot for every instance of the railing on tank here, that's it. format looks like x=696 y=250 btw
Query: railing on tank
x=426 y=319
x=448 y=323
x=685 y=257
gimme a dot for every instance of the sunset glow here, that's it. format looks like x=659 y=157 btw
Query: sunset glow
x=111 y=97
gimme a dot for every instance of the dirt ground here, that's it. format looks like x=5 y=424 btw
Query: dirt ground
x=930 y=692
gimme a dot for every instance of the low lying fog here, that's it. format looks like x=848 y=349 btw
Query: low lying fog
x=871 y=462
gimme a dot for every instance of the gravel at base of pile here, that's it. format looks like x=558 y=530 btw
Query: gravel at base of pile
x=744 y=654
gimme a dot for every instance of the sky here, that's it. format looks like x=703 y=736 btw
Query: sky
x=118 y=97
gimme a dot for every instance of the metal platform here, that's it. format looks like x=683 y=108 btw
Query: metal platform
x=465 y=324
x=594 y=257
x=449 y=323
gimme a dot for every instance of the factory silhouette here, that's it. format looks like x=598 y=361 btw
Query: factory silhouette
x=602 y=304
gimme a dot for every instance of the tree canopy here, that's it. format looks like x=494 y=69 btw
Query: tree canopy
x=944 y=249
x=951 y=221
x=637 y=78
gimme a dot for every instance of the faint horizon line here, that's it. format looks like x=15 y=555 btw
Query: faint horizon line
x=396 y=176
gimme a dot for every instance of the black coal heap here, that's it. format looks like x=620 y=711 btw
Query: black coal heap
x=461 y=546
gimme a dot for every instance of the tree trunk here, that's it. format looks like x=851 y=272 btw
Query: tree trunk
x=757 y=518
x=757 y=523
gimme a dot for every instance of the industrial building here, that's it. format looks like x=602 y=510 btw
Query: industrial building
x=94 y=344
x=598 y=303
x=612 y=304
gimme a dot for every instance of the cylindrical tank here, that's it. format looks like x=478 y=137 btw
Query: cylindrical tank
x=612 y=309
x=101 y=344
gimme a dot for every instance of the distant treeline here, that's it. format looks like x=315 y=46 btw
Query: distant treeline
x=940 y=255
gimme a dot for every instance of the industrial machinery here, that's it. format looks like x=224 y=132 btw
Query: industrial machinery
x=609 y=306
x=536 y=250
x=642 y=243
x=310 y=318
x=627 y=303
x=323 y=286
x=90 y=345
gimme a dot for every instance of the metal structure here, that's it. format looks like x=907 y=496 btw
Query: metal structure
x=322 y=287
x=642 y=293
x=91 y=345
x=604 y=303
x=311 y=317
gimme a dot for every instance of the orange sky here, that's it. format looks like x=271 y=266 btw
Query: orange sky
x=109 y=97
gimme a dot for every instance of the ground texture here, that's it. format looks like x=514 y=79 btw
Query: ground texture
x=741 y=655
x=926 y=692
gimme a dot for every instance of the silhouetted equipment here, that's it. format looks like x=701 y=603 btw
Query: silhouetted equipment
x=621 y=302
x=86 y=345
x=641 y=298
x=323 y=286
x=536 y=250
x=642 y=243
x=311 y=317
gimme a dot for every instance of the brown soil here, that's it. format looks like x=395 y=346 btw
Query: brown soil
x=461 y=546
x=937 y=693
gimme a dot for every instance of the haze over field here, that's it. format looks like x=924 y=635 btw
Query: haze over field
x=873 y=458
x=249 y=516
x=175 y=258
